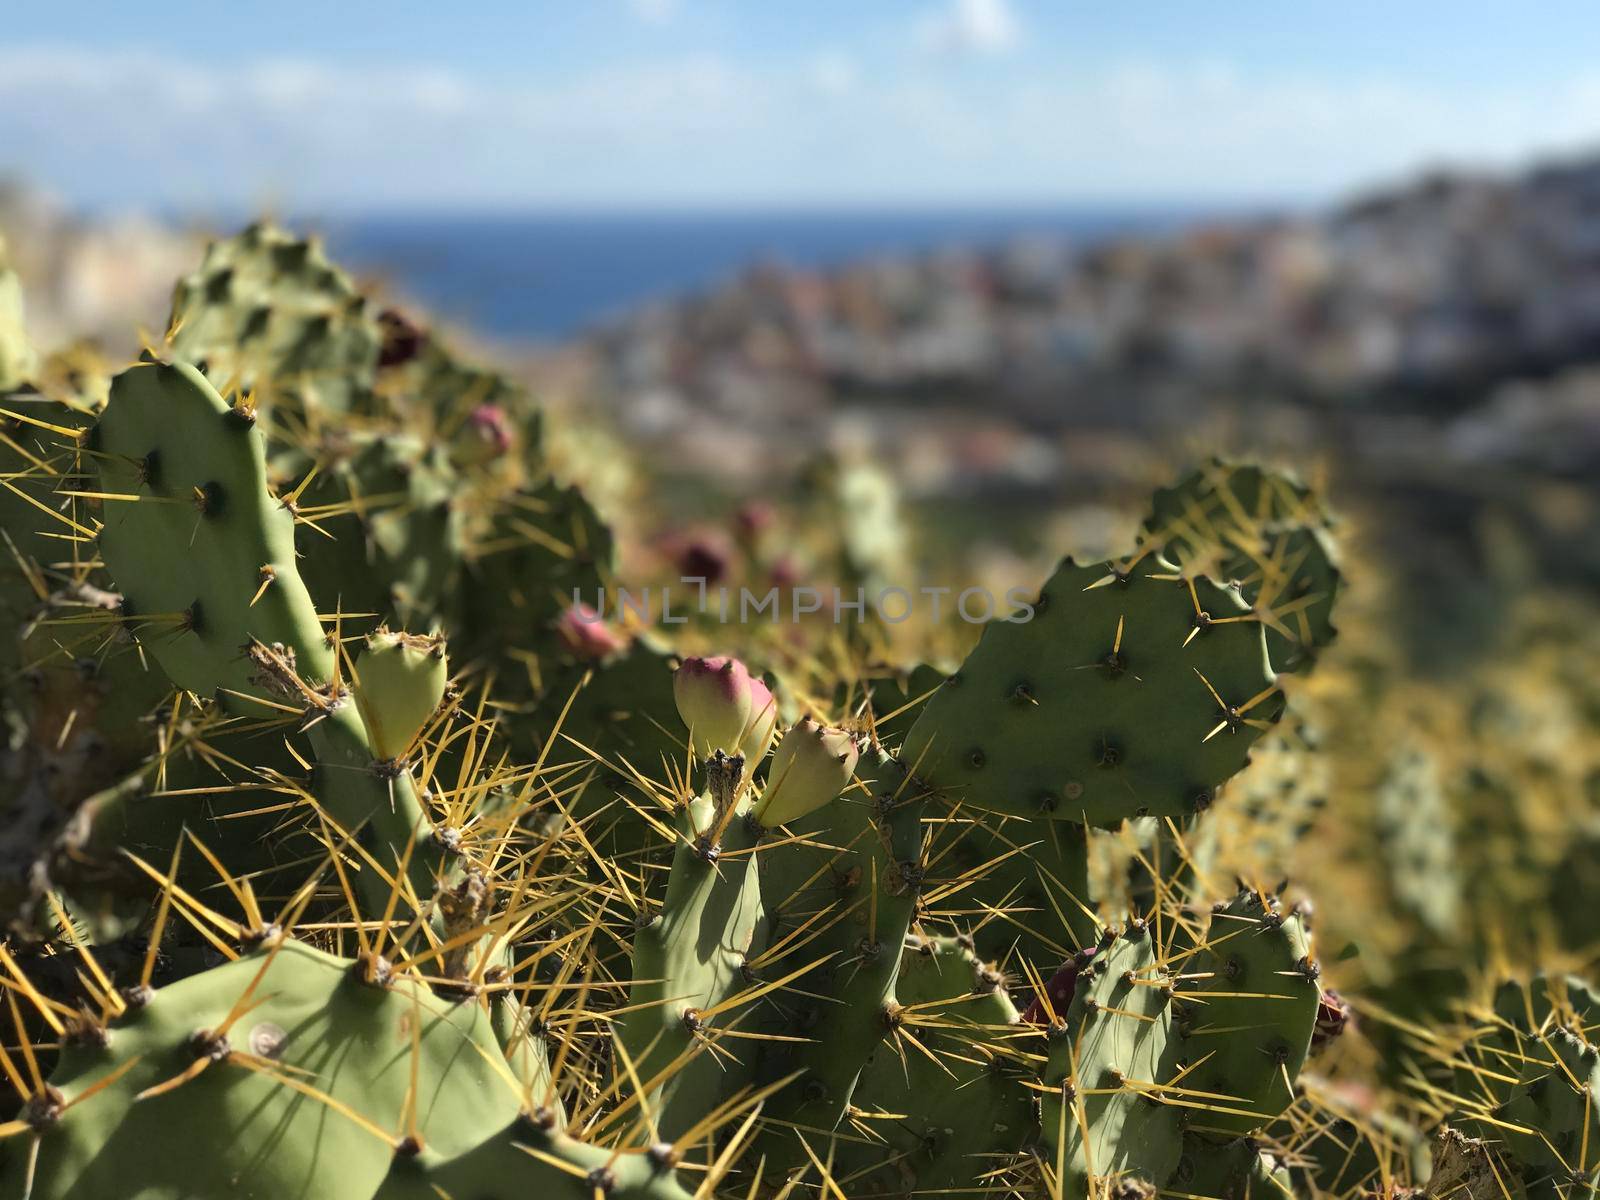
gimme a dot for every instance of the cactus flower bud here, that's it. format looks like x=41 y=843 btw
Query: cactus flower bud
x=811 y=766
x=1333 y=1014
x=715 y=701
x=490 y=423
x=403 y=338
x=703 y=556
x=585 y=634
x=399 y=681
x=1059 y=990
x=763 y=724
x=752 y=520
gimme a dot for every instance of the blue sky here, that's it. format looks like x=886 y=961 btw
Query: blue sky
x=351 y=105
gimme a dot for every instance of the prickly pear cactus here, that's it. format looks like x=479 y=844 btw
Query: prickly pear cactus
x=1527 y=1084
x=1267 y=531
x=1165 y=1059
x=292 y=1072
x=1252 y=1006
x=1112 y=1053
x=943 y=1102
x=691 y=960
x=300 y=621
x=268 y=314
x=204 y=555
x=1130 y=691
x=853 y=875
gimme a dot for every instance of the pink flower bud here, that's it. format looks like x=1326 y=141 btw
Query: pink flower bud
x=1333 y=1014
x=763 y=724
x=403 y=338
x=1059 y=989
x=811 y=766
x=490 y=423
x=703 y=556
x=586 y=635
x=785 y=573
x=753 y=519
x=715 y=701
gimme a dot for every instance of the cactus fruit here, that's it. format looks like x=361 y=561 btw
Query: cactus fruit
x=763 y=726
x=585 y=634
x=398 y=683
x=1132 y=690
x=810 y=767
x=716 y=703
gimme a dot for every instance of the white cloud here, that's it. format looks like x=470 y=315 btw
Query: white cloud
x=982 y=26
x=834 y=74
x=654 y=12
x=137 y=128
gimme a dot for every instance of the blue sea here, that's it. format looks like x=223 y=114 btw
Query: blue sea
x=546 y=277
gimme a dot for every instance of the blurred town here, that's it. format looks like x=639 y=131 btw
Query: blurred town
x=1428 y=346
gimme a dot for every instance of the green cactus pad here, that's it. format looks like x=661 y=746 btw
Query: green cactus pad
x=931 y=1123
x=1131 y=691
x=1251 y=1010
x=204 y=535
x=309 y=1020
x=1102 y=1114
x=853 y=875
x=267 y=312
x=205 y=558
x=398 y=682
x=689 y=964
x=528 y=1158
x=1528 y=1081
x=1238 y=1170
x=1266 y=530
